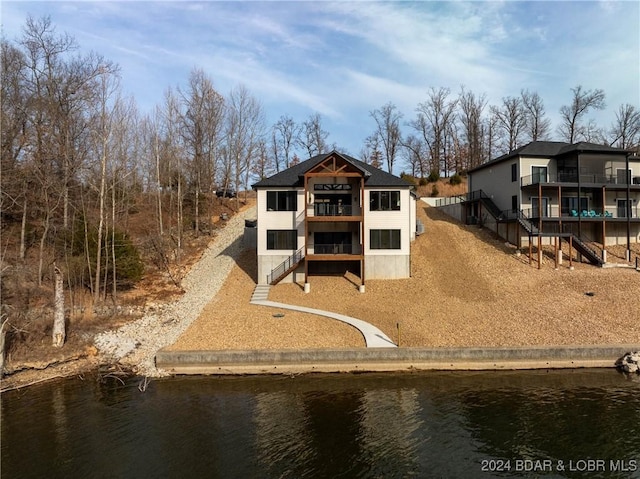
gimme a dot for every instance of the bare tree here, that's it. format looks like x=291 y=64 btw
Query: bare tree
x=312 y=137
x=417 y=156
x=511 y=121
x=370 y=153
x=105 y=120
x=201 y=126
x=284 y=135
x=387 y=120
x=263 y=165
x=537 y=127
x=433 y=123
x=471 y=108
x=625 y=131
x=244 y=133
x=572 y=116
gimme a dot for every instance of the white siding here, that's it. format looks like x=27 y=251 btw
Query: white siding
x=278 y=220
x=390 y=220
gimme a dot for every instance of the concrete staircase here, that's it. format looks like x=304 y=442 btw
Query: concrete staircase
x=261 y=293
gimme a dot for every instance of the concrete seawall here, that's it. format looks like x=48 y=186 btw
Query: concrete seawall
x=385 y=359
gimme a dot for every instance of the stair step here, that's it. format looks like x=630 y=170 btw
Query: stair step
x=261 y=292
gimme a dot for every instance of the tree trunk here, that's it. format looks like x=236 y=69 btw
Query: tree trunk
x=3 y=334
x=23 y=229
x=58 y=314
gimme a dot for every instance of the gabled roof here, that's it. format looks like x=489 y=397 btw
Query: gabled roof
x=547 y=149
x=294 y=176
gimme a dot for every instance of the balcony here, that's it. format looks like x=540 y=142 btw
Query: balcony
x=333 y=212
x=585 y=178
x=555 y=212
x=335 y=249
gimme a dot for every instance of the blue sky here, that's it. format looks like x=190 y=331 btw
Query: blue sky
x=345 y=59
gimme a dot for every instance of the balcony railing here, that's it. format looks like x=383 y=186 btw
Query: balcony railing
x=337 y=248
x=325 y=209
x=554 y=211
x=586 y=178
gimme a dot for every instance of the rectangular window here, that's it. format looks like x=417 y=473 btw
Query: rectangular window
x=282 y=239
x=514 y=172
x=384 y=239
x=384 y=201
x=282 y=201
x=514 y=203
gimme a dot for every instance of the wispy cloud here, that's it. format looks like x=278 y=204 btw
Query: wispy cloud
x=344 y=59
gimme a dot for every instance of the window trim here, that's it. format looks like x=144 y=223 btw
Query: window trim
x=385 y=243
x=377 y=200
x=274 y=200
x=273 y=243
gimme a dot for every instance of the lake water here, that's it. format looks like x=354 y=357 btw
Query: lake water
x=582 y=423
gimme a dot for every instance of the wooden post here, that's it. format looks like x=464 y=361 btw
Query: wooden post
x=555 y=248
x=539 y=251
x=571 y=252
x=530 y=250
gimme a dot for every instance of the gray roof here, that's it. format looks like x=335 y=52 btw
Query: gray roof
x=548 y=149
x=294 y=176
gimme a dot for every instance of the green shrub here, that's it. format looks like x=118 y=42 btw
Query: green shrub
x=433 y=176
x=455 y=179
x=423 y=182
x=434 y=190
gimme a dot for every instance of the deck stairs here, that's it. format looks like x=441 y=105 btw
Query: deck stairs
x=528 y=225
x=586 y=251
x=285 y=268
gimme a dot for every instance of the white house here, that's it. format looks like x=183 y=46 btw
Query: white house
x=332 y=214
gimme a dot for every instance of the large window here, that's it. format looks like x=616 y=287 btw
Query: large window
x=384 y=201
x=282 y=201
x=514 y=172
x=384 y=239
x=282 y=239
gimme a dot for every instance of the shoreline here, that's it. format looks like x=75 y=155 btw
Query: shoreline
x=343 y=361
x=389 y=360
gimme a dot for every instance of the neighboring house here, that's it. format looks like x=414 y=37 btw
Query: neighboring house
x=545 y=190
x=332 y=214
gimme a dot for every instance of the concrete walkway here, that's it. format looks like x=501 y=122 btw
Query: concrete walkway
x=373 y=337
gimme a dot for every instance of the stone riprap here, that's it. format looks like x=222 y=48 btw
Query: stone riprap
x=135 y=345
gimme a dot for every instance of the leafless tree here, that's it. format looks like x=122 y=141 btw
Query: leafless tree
x=313 y=139
x=625 y=131
x=470 y=115
x=416 y=153
x=511 y=121
x=284 y=135
x=370 y=153
x=433 y=122
x=243 y=135
x=572 y=128
x=387 y=120
x=537 y=127
x=202 y=120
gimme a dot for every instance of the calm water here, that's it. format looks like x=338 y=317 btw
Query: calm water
x=507 y=424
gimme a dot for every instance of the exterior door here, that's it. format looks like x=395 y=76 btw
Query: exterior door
x=624 y=209
x=335 y=242
x=539 y=174
x=535 y=207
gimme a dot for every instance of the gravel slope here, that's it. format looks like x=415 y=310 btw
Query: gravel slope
x=136 y=344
